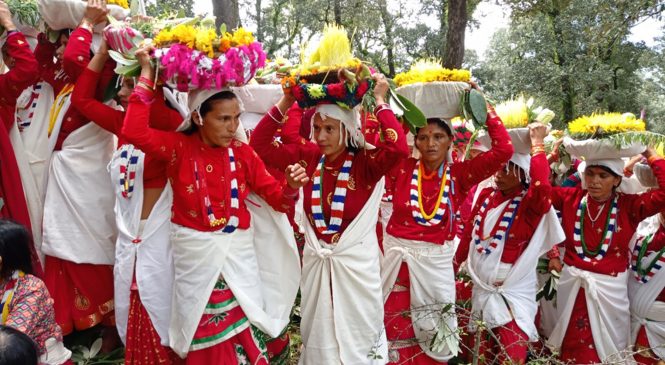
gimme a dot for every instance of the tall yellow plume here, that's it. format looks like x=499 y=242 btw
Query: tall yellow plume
x=334 y=48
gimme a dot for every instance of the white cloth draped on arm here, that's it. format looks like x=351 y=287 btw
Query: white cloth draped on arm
x=519 y=287
x=260 y=265
x=432 y=288
x=342 y=303
x=609 y=314
x=79 y=224
x=151 y=256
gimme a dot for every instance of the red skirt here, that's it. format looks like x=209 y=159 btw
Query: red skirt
x=578 y=346
x=143 y=345
x=403 y=347
x=224 y=334
x=82 y=294
x=279 y=351
x=508 y=344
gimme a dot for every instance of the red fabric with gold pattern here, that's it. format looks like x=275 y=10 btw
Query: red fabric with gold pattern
x=642 y=346
x=578 y=346
x=84 y=295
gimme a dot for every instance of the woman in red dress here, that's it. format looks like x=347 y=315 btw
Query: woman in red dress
x=211 y=173
x=599 y=221
x=419 y=243
x=341 y=256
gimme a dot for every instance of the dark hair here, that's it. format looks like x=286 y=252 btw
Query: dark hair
x=16 y=348
x=207 y=106
x=440 y=123
x=14 y=248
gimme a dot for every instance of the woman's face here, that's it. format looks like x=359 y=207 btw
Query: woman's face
x=508 y=179
x=125 y=91
x=600 y=183
x=220 y=123
x=60 y=51
x=327 y=135
x=433 y=143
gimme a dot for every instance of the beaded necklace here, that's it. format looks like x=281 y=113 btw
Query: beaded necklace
x=501 y=227
x=443 y=201
x=644 y=274
x=339 y=197
x=578 y=235
x=202 y=187
x=129 y=158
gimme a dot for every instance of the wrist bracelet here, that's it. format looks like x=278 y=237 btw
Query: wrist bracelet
x=147 y=82
x=87 y=26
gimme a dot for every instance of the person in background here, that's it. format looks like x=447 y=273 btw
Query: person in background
x=26 y=303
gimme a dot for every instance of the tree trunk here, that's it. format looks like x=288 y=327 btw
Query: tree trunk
x=454 y=51
x=337 y=10
x=567 y=90
x=227 y=12
x=388 y=28
x=259 y=21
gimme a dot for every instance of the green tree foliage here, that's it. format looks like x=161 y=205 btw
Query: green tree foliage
x=182 y=8
x=574 y=56
x=388 y=33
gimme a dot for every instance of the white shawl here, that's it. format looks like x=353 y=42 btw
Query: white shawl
x=260 y=265
x=152 y=256
x=342 y=304
x=609 y=314
x=520 y=286
x=79 y=225
x=432 y=288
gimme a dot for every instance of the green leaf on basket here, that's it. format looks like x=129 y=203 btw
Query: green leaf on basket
x=129 y=70
x=478 y=106
x=412 y=114
x=120 y=59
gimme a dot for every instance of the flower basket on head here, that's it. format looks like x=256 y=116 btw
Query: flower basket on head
x=516 y=114
x=191 y=55
x=273 y=71
x=609 y=135
x=645 y=175
x=25 y=15
x=67 y=14
x=436 y=91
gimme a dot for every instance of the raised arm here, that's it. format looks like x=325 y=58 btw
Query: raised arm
x=645 y=205
x=487 y=163
x=275 y=154
x=77 y=52
x=540 y=188
x=393 y=149
x=83 y=97
x=136 y=129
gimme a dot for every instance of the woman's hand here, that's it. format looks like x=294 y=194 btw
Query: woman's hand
x=296 y=176
x=381 y=87
x=537 y=133
x=6 y=17
x=95 y=12
x=555 y=264
x=143 y=56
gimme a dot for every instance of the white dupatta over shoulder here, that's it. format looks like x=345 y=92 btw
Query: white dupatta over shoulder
x=342 y=303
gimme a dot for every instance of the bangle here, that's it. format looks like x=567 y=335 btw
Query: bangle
x=143 y=86
x=541 y=144
x=147 y=81
x=553 y=156
x=87 y=25
x=534 y=153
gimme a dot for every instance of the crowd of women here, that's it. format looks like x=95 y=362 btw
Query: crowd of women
x=170 y=229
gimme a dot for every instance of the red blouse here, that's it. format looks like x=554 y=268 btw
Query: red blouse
x=181 y=151
x=21 y=76
x=75 y=60
x=367 y=169
x=464 y=176
x=532 y=208
x=632 y=209
x=161 y=117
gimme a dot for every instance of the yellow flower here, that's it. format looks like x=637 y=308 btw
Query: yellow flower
x=242 y=37
x=430 y=70
x=183 y=34
x=316 y=91
x=204 y=41
x=121 y=3
x=513 y=113
x=605 y=124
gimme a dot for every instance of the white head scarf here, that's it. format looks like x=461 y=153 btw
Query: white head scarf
x=523 y=161
x=350 y=120
x=196 y=98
